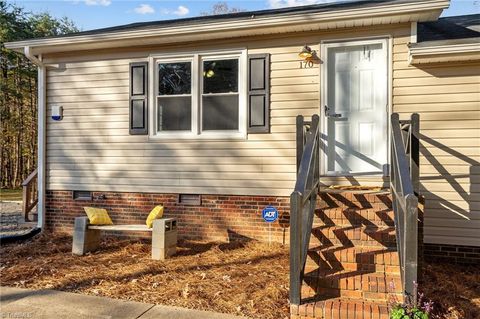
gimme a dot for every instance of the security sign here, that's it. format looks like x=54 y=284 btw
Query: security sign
x=270 y=214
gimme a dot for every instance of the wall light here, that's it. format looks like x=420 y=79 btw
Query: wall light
x=306 y=53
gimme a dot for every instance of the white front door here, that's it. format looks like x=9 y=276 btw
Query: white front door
x=355 y=110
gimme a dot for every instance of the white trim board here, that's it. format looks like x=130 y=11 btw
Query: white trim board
x=443 y=53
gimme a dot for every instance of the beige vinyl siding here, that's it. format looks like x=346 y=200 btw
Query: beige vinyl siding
x=447 y=97
x=91 y=149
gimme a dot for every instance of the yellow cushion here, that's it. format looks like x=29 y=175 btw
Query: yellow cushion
x=156 y=213
x=98 y=216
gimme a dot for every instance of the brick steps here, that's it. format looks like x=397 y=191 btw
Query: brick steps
x=332 y=267
x=330 y=293
x=354 y=217
x=352 y=266
x=350 y=236
x=353 y=282
x=340 y=308
x=367 y=260
x=346 y=199
x=365 y=255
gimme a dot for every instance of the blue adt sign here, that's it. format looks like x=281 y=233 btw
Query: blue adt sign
x=270 y=214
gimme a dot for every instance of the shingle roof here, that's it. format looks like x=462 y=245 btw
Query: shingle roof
x=450 y=28
x=315 y=8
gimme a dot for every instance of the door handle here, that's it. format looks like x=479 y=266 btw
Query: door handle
x=330 y=114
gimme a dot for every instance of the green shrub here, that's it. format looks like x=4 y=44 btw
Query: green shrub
x=412 y=308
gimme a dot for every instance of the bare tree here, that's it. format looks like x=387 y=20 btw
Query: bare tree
x=221 y=8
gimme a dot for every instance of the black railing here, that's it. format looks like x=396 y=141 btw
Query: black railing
x=303 y=201
x=404 y=185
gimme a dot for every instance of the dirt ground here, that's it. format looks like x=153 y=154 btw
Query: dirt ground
x=249 y=279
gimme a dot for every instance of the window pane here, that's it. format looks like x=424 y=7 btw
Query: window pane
x=220 y=112
x=220 y=76
x=174 y=78
x=174 y=113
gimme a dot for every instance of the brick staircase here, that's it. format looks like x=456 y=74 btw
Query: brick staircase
x=352 y=268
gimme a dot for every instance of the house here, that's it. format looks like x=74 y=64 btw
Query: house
x=200 y=114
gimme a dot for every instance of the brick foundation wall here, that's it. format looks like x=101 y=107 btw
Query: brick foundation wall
x=218 y=218
x=452 y=253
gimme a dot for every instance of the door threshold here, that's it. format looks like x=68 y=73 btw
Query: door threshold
x=334 y=189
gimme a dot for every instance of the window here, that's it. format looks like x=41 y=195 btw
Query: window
x=174 y=99
x=220 y=95
x=200 y=96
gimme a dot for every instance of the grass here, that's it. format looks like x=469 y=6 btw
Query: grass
x=249 y=279
x=11 y=194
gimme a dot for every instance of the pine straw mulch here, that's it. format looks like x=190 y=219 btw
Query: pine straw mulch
x=249 y=279
x=454 y=289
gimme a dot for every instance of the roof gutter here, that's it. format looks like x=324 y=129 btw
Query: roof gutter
x=29 y=55
x=41 y=122
x=237 y=27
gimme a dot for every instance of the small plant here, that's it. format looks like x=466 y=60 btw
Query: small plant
x=412 y=308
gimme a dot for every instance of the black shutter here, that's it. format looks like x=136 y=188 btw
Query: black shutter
x=258 y=93
x=138 y=103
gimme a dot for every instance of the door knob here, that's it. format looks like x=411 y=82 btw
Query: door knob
x=328 y=113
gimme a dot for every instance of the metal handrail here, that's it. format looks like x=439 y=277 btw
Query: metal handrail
x=303 y=201
x=404 y=185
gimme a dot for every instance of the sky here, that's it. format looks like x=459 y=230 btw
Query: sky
x=94 y=14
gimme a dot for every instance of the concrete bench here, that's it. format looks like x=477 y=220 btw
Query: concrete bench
x=86 y=237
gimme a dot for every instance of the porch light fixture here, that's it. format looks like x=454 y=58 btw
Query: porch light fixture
x=306 y=52
x=209 y=73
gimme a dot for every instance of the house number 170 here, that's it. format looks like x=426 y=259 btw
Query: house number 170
x=306 y=64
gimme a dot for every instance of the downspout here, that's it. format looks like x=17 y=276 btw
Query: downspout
x=413 y=39
x=41 y=116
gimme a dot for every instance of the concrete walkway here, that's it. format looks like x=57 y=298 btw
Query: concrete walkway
x=40 y=304
x=12 y=221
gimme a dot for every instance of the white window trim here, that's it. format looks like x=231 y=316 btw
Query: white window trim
x=196 y=59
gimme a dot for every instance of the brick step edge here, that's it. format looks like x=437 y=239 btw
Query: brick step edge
x=355 y=200
x=353 y=236
x=344 y=223
x=373 y=282
x=353 y=205
x=322 y=293
x=388 y=270
x=340 y=308
x=355 y=255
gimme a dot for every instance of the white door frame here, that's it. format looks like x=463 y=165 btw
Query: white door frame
x=387 y=42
